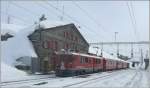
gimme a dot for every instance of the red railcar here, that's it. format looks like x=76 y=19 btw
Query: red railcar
x=77 y=63
x=69 y=64
x=110 y=64
x=119 y=65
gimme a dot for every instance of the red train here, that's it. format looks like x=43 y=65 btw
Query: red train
x=70 y=64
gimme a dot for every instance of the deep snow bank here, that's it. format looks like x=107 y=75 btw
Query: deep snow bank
x=17 y=46
x=9 y=73
x=13 y=48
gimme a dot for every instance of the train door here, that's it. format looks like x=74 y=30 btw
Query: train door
x=53 y=62
x=116 y=65
x=104 y=64
x=93 y=64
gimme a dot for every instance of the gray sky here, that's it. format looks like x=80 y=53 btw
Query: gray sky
x=106 y=17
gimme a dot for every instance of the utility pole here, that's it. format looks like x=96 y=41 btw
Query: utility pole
x=117 y=44
x=57 y=4
x=7 y=11
x=101 y=50
x=8 y=19
x=146 y=56
x=132 y=51
x=141 y=57
x=115 y=35
x=62 y=17
x=149 y=48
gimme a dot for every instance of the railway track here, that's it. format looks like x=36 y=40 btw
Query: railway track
x=129 y=84
x=91 y=80
x=42 y=81
x=24 y=81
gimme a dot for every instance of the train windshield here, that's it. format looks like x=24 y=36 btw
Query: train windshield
x=65 y=58
x=64 y=61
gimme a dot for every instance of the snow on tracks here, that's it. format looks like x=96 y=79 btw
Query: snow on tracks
x=25 y=81
x=118 y=78
x=94 y=80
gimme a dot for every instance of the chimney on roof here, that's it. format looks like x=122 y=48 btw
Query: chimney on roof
x=42 y=18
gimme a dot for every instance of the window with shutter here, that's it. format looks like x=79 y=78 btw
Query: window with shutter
x=56 y=45
x=64 y=34
x=45 y=44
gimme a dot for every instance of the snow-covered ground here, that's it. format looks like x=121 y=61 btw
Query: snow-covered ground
x=10 y=74
x=122 y=78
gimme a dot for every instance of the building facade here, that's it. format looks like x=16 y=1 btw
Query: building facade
x=47 y=41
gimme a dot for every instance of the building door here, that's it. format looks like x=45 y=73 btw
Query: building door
x=53 y=63
x=45 y=66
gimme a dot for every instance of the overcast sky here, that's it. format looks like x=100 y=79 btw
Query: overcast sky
x=98 y=20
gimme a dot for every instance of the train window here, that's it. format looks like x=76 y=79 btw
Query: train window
x=86 y=60
x=99 y=61
x=82 y=60
x=96 y=61
x=89 y=61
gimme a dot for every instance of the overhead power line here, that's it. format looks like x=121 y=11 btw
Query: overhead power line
x=90 y=17
x=98 y=24
x=43 y=6
x=65 y=14
x=15 y=17
x=25 y=9
x=133 y=21
x=110 y=43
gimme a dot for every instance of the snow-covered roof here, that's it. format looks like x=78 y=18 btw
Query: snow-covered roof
x=49 y=24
